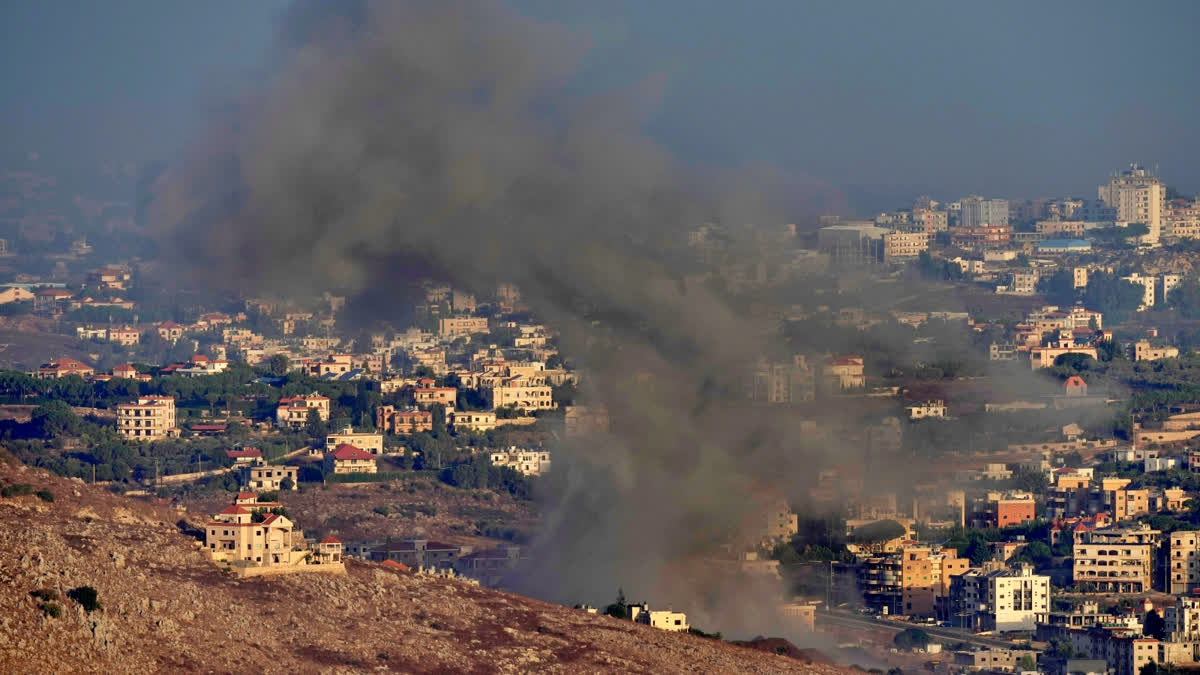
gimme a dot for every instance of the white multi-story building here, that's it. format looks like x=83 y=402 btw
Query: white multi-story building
x=977 y=211
x=1183 y=562
x=517 y=391
x=528 y=462
x=1183 y=618
x=1004 y=600
x=1169 y=283
x=1024 y=282
x=1148 y=284
x=1138 y=197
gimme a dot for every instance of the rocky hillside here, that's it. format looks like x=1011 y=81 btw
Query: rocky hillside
x=164 y=608
x=414 y=507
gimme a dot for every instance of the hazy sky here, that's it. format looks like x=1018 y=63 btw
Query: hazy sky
x=885 y=99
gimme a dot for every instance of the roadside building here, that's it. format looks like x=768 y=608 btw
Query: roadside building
x=1013 y=599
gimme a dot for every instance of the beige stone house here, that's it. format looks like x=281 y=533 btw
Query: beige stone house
x=293 y=411
x=150 y=418
x=260 y=476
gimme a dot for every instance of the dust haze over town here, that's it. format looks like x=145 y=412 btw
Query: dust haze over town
x=477 y=233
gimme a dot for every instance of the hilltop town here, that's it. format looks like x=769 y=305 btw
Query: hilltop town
x=1025 y=370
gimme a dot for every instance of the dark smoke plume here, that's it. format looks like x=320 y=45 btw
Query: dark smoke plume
x=443 y=135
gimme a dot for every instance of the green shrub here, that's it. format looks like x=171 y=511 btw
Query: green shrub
x=16 y=490
x=45 y=594
x=86 y=596
x=45 y=495
x=52 y=610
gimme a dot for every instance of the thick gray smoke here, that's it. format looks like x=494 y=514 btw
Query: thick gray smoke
x=443 y=132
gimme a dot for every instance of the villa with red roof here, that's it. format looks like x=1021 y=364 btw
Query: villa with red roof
x=128 y=372
x=253 y=542
x=200 y=365
x=846 y=371
x=49 y=299
x=63 y=368
x=346 y=458
x=293 y=410
x=244 y=456
x=170 y=331
x=328 y=551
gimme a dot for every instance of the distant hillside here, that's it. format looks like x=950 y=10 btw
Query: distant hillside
x=164 y=608
x=27 y=342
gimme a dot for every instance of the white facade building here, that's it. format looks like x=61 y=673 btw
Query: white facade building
x=528 y=462
x=1147 y=284
x=978 y=211
x=661 y=619
x=1137 y=196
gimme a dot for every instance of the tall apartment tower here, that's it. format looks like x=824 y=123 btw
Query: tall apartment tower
x=1138 y=196
x=976 y=211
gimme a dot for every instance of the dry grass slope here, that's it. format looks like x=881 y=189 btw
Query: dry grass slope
x=165 y=609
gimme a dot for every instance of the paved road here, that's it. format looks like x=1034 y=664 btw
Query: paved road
x=949 y=634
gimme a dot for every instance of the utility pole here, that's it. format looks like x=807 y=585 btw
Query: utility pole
x=829 y=589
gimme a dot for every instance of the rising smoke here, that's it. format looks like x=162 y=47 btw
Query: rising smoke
x=442 y=135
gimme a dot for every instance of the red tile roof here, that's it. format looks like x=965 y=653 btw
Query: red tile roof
x=345 y=451
x=67 y=364
x=244 y=452
x=330 y=540
x=233 y=510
